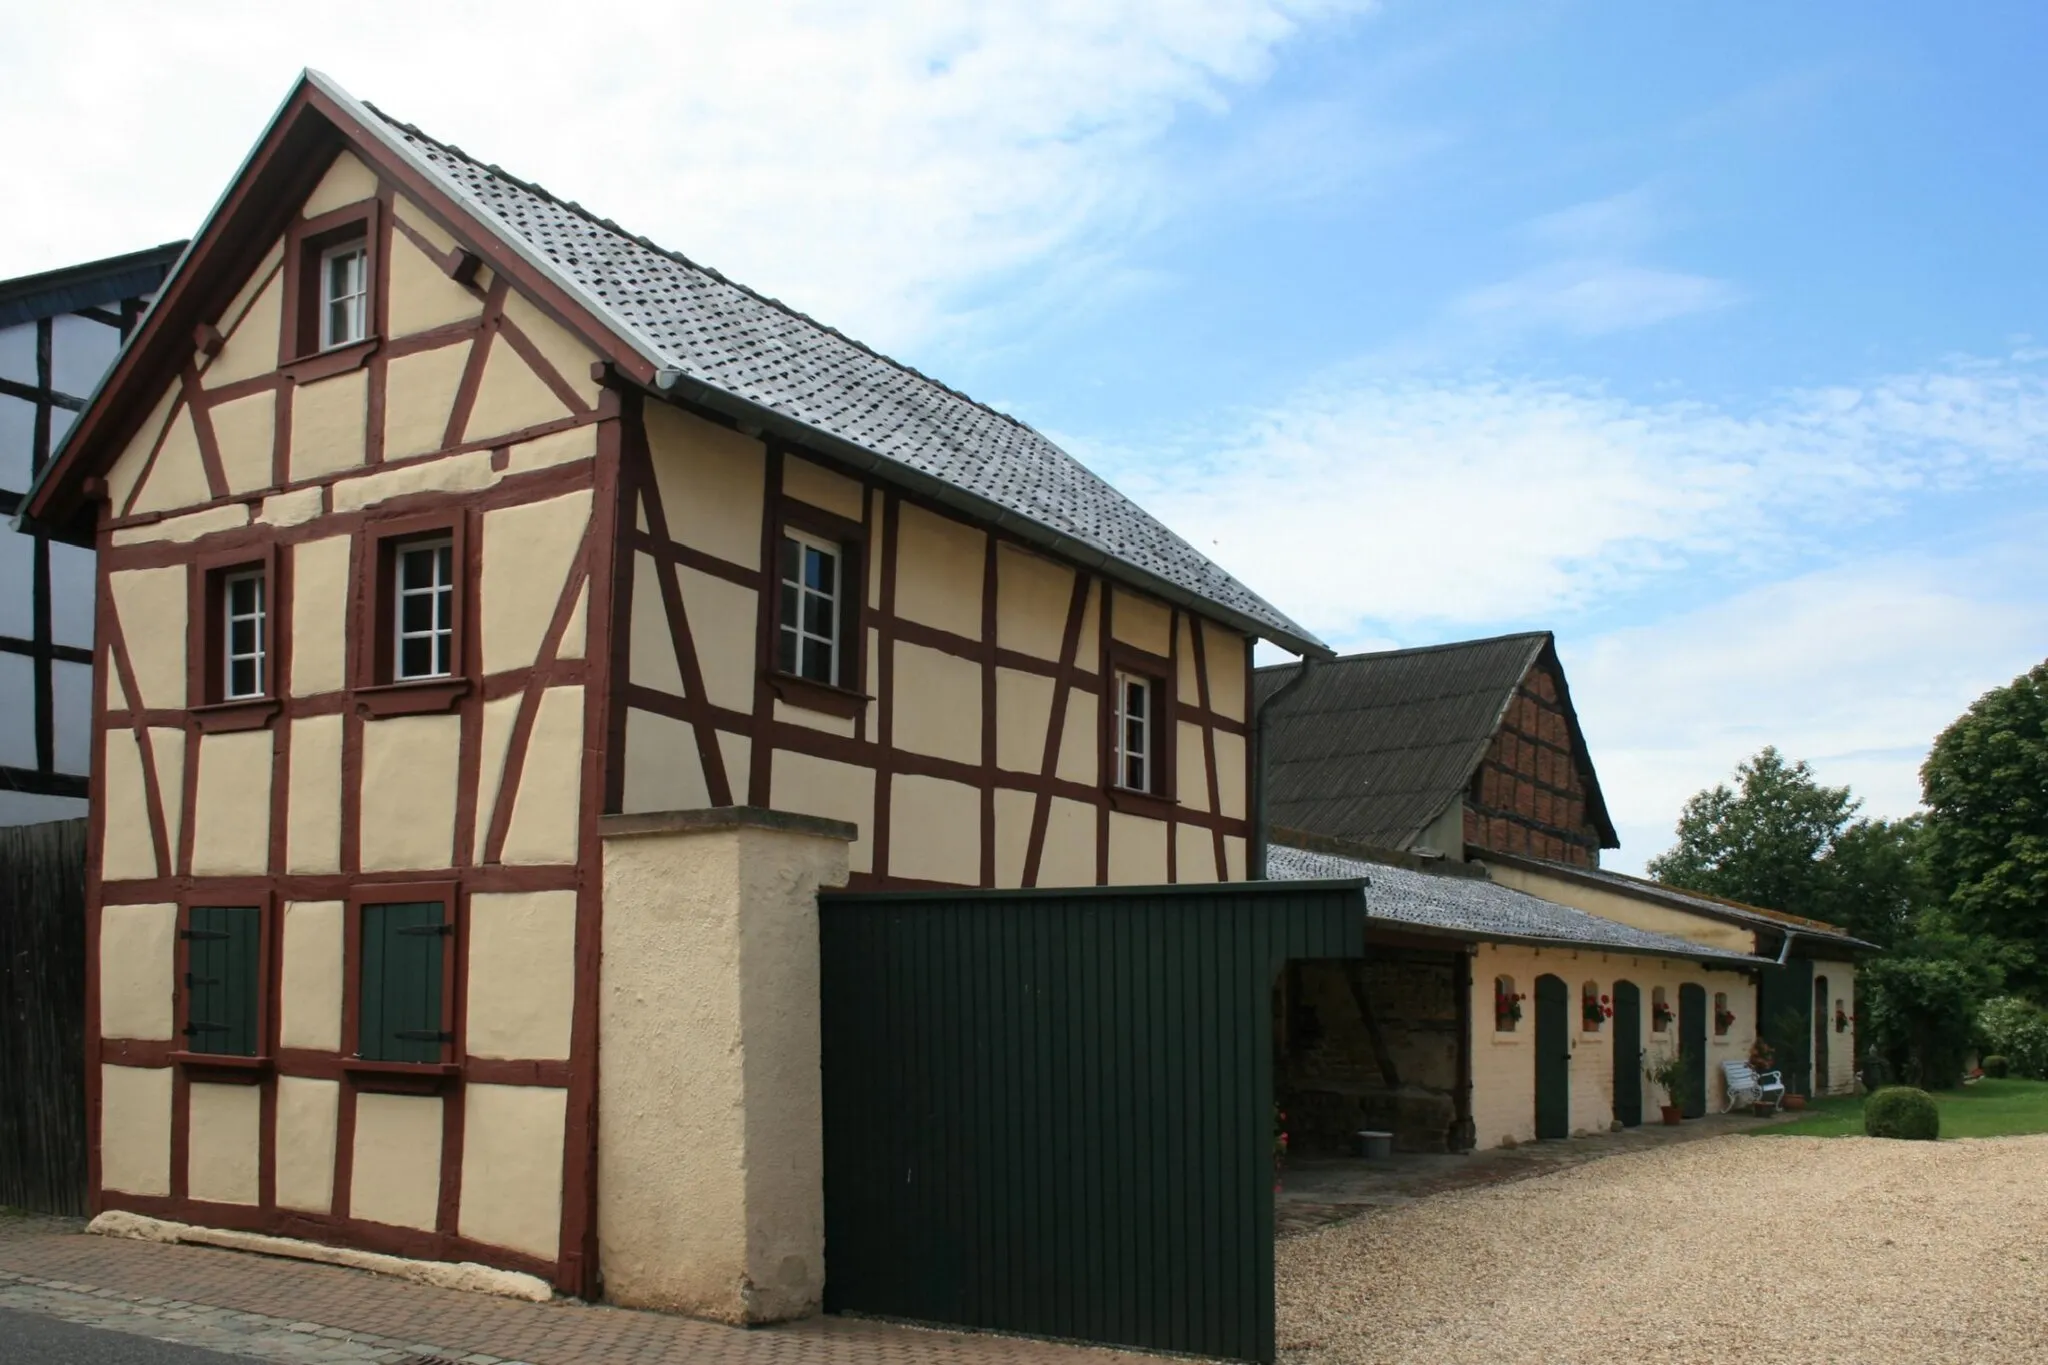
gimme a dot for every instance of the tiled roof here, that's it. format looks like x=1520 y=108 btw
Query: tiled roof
x=1477 y=908
x=692 y=321
x=1373 y=747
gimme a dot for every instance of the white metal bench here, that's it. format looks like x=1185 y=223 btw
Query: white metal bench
x=1748 y=1086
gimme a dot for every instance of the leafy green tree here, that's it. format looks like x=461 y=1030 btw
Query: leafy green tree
x=1766 y=841
x=1878 y=881
x=1985 y=784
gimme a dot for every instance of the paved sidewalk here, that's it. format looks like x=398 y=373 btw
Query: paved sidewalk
x=1316 y=1192
x=305 y=1314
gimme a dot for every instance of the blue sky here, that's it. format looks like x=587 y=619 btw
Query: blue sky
x=1715 y=342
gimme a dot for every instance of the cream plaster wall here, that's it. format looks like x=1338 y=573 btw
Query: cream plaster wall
x=419 y=394
x=1137 y=850
x=319 y=593
x=1023 y=711
x=494 y=745
x=521 y=990
x=934 y=830
x=225 y=1131
x=138 y=971
x=135 y=1129
x=650 y=647
x=1223 y=650
x=178 y=478
x=231 y=836
x=134 y=457
x=1013 y=834
x=1069 y=855
x=939 y=563
x=328 y=418
x=545 y=826
x=307 y=1120
x=1626 y=909
x=186 y=527
x=127 y=851
x=821 y=786
x=397 y=1160
x=1141 y=623
x=663 y=768
x=1080 y=753
x=710 y=478
x=1841 y=1071
x=168 y=746
x=1032 y=597
x=1191 y=767
x=710 y=1126
x=408 y=800
x=150 y=605
x=421 y=293
x=722 y=617
x=937 y=703
x=251 y=347
x=1233 y=779
x=843 y=726
x=310 y=985
x=564 y=352
x=245 y=432
x=512 y=1167
x=510 y=397
x=1194 y=855
x=468 y=472
x=313 y=788
x=528 y=550
x=347 y=181
x=821 y=487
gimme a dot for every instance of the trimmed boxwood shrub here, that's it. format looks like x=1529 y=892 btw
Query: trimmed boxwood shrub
x=1996 y=1067
x=1900 y=1111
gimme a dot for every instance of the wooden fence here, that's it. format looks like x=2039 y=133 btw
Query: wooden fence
x=42 y=1017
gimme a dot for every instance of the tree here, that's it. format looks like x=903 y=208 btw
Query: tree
x=1767 y=841
x=1985 y=783
x=1879 y=881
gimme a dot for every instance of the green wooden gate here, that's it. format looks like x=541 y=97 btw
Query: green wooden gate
x=1692 y=1043
x=1051 y=1112
x=1628 y=1054
x=1553 y=1059
x=1784 y=1019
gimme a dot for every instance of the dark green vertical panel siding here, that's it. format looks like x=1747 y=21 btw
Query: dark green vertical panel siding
x=400 y=1018
x=1784 y=1002
x=1051 y=1113
x=1553 y=1058
x=221 y=965
x=1628 y=1054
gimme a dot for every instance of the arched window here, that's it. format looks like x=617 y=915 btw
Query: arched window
x=1660 y=1011
x=1841 y=1015
x=1595 y=1009
x=1724 y=1018
x=1507 y=1005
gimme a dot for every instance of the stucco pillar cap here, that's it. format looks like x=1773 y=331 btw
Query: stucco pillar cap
x=721 y=818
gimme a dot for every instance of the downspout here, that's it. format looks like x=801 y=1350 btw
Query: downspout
x=1257 y=871
x=1785 y=948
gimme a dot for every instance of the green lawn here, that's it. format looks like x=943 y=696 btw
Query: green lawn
x=1986 y=1109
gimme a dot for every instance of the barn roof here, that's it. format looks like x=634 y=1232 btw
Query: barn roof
x=1373 y=747
x=696 y=336
x=1467 y=905
x=85 y=285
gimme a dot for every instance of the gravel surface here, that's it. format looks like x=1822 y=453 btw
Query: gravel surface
x=1737 y=1248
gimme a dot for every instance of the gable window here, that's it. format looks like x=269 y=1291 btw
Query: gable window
x=813 y=580
x=222 y=947
x=243 y=643
x=1136 y=707
x=344 y=294
x=423 y=609
x=402 y=966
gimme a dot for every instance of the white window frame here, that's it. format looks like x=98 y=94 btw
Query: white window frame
x=228 y=617
x=356 y=300
x=441 y=622
x=1148 y=719
x=804 y=592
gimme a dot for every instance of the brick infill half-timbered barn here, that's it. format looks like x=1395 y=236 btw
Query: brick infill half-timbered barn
x=505 y=627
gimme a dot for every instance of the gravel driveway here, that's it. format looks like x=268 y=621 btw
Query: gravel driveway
x=1737 y=1248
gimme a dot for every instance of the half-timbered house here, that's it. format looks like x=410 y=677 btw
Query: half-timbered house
x=506 y=626
x=59 y=331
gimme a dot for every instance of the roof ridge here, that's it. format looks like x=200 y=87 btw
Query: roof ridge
x=1416 y=649
x=658 y=249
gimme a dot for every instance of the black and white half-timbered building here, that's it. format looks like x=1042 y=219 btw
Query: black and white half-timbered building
x=59 y=331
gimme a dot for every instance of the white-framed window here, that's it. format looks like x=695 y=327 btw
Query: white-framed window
x=423 y=616
x=812 y=574
x=1136 y=700
x=243 y=628
x=344 y=294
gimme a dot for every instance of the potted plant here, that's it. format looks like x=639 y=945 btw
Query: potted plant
x=1661 y=1015
x=1668 y=1072
x=1507 y=1009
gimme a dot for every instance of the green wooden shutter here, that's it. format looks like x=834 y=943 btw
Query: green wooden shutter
x=400 y=1017
x=221 y=963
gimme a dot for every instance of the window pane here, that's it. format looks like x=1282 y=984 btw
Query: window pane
x=820 y=570
x=790 y=597
x=818 y=661
x=412 y=569
x=1134 y=773
x=242 y=678
x=444 y=564
x=444 y=608
x=416 y=657
x=791 y=551
x=1134 y=700
x=241 y=596
x=416 y=612
x=818 y=615
x=242 y=635
x=443 y=642
x=785 y=650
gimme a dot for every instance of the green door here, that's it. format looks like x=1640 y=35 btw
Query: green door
x=1692 y=1040
x=1628 y=1054
x=1553 y=1059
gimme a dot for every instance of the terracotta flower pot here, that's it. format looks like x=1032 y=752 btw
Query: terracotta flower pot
x=1795 y=1101
x=1672 y=1114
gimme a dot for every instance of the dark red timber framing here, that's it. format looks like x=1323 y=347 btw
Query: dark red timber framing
x=877 y=750
x=261 y=208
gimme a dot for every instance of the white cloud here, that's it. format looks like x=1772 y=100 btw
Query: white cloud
x=1363 y=504
x=1591 y=298
x=866 y=162
x=1854 y=668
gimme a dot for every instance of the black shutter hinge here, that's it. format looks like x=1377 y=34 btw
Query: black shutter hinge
x=192 y=979
x=442 y=928
x=196 y=1027
x=423 y=1035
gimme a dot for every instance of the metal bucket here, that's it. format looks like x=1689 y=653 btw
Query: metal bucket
x=1372 y=1145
